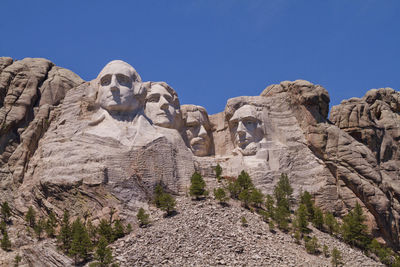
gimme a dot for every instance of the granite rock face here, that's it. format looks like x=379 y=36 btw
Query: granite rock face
x=105 y=144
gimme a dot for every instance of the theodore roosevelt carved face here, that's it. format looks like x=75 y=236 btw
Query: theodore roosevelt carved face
x=118 y=87
x=198 y=129
x=246 y=129
x=162 y=105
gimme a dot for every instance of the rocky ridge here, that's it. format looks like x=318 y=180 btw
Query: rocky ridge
x=57 y=150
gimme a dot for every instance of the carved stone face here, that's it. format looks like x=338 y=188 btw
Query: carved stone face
x=198 y=129
x=246 y=129
x=162 y=106
x=116 y=87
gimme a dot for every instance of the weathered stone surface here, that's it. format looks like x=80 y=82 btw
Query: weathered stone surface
x=93 y=146
x=374 y=123
x=25 y=86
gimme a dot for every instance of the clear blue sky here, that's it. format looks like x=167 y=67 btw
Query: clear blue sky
x=213 y=50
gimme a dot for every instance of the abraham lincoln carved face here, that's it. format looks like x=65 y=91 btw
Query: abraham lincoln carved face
x=246 y=129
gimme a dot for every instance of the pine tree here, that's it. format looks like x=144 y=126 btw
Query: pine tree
x=306 y=200
x=92 y=231
x=197 y=187
x=5 y=242
x=312 y=245
x=129 y=228
x=3 y=227
x=243 y=221
x=271 y=226
x=158 y=192
x=220 y=195
x=244 y=181
x=5 y=211
x=269 y=205
x=105 y=229
x=118 y=230
x=103 y=253
x=30 y=217
x=318 y=220
x=325 y=250
x=301 y=218
x=297 y=236
x=244 y=196
x=51 y=223
x=354 y=231
x=384 y=254
x=234 y=189
x=65 y=234
x=39 y=228
x=336 y=257
x=281 y=216
x=80 y=244
x=256 y=197
x=218 y=172
x=283 y=192
x=167 y=203
x=17 y=260
x=331 y=223
x=142 y=217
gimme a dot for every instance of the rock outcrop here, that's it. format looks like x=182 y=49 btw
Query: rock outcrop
x=105 y=144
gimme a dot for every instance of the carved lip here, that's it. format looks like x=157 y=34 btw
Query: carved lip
x=198 y=141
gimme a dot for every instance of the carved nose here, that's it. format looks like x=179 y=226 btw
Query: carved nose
x=202 y=132
x=114 y=84
x=163 y=103
x=241 y=128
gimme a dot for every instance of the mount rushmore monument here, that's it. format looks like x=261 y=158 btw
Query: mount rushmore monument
x=92 y=146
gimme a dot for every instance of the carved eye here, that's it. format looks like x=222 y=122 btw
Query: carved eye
x=124 y=80
x=105 y=80
x=168 y=98
x=153 y=98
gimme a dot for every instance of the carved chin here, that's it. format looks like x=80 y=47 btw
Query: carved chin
x=199 y=146
x=200 y=150
x=249 y=150
x=163 y=122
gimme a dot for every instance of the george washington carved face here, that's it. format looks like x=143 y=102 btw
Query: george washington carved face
x=118 y=87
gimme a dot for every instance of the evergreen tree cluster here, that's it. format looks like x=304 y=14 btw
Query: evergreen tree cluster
x=80 y=239
x=5 y=242
x=244 y=190
x=163 y=200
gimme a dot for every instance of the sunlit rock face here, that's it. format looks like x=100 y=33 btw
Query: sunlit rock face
x=119 y=87
x=198 y=130
x=162 y=105
x=101 y=142
x=89 y=146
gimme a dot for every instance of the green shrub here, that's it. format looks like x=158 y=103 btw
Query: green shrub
x=220 y=194
x=197 y=187
x=143 y=218
x=312 y=245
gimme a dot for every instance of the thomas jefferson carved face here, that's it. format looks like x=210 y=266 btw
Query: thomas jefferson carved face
x=246 y=129
x=117 y=87
x=198 y=129
x=162 y=105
